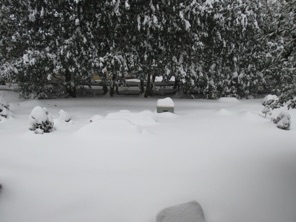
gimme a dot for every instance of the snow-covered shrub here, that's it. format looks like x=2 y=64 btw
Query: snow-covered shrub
x=269 y=102
x=283 y=120
x=4 y=108
x=266 y=111
x=64 y=116
x=41 y=120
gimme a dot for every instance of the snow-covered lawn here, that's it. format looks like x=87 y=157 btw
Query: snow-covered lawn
x=127 y=163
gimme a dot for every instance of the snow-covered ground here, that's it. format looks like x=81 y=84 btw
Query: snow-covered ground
x=119 y=161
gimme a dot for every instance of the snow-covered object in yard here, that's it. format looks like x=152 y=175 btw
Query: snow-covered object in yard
x=187 y=212
x=41 y=120
x=4 y=108
x=144 y=118
x=110 y=128
x=165 y=105
x=270 y=101
x=64 y=116
x=283 y=120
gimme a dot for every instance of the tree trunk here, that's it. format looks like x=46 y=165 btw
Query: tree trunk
x=71 y=90
x=142 y=86
x=148 y=91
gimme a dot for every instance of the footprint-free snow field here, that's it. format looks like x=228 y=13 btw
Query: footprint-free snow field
x=118 y=160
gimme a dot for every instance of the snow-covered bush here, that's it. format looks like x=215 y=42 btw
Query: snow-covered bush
x=269 y=102
x=266 y=111
x=41 y=121
x=4 y=108
x=283 y=120
x=64 y=116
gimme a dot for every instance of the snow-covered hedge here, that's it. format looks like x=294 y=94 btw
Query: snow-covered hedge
x=4 y=108
x=283 y=120
x=41 y=121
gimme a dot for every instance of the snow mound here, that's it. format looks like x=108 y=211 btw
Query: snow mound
x=95 y=118
x=224 y=112
x=187 y=212
x=228 y=100
x=167 y=102
x=142 y=118
x=166 y=115
x=64 y=116
x=110 y=129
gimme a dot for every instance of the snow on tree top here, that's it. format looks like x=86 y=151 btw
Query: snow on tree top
x=167 y=102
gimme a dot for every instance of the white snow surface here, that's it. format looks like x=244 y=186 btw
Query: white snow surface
x=236 y=164
x=166 y=102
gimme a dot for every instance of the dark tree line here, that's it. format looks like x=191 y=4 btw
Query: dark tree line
x=218 y=47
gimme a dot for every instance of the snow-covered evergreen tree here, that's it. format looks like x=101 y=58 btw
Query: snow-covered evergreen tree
x=280 y=33
x=50 y=44
x=215 y=47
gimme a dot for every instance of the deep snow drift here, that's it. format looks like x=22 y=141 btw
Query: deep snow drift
x=117 y=160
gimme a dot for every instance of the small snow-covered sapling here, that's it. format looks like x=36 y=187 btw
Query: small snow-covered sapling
x=266 y=111
x=269 y=102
